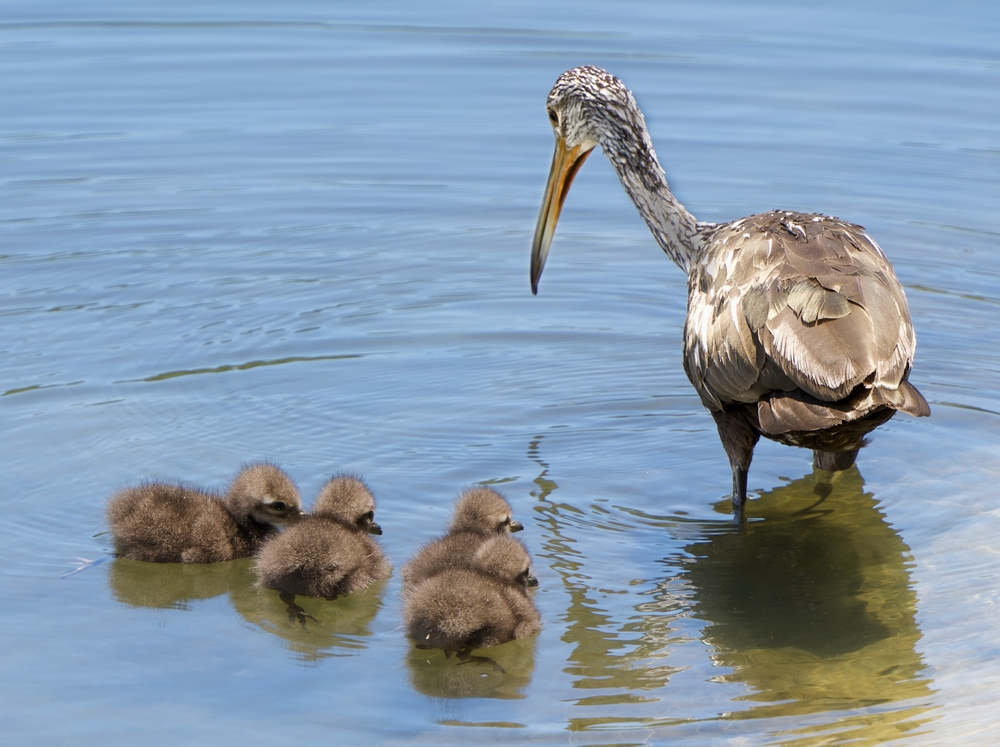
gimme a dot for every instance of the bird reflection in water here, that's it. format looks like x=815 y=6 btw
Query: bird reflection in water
x=434 y=673
x=135 y=583
x=813 y=606
x=335 y=628
x=323 y=629
x=809 y=611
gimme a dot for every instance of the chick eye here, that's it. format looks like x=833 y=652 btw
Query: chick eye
x=553 y=117
x=371 y=515
x=278 y=505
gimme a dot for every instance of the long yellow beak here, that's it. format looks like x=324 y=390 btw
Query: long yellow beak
x=565 y=164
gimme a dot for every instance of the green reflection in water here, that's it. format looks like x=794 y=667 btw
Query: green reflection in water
x=239 y=367
x=24 y=389
x=813 y=608
x=487 y=724
x=606 y=655
x=337 y=628
x=36 y=387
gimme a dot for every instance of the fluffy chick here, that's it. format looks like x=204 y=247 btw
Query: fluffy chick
x=329 y=554
x=480 y=513
x=482 y=605
x=165 y=523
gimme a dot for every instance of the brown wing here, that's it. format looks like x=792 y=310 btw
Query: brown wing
x=802 y=314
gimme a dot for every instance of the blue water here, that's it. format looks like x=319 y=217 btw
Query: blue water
x=301 y=232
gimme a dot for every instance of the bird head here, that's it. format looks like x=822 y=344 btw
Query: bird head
x=265 y=493
x=347 y=500
x=587 y=107
x=482 y=510
x=507 y=560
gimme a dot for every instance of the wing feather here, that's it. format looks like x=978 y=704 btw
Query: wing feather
x=805 y=308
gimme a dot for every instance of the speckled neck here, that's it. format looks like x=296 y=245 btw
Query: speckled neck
x=674 y=228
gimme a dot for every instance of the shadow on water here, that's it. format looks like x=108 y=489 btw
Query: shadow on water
x=336 y=628
x=811 y=610
x=813 y=607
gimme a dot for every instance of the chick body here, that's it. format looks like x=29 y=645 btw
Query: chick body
x=169 y=523
x=478 y=606
x=480 y=513
x=330 y=553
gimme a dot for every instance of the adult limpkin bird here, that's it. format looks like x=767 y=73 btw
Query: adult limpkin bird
x=797 y=328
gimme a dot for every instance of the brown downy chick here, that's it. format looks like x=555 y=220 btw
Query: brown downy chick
x=482 y=605
x=480 y=513
x=164 y=523
x=329 y=553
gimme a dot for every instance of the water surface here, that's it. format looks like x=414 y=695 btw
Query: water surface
x=301 y=232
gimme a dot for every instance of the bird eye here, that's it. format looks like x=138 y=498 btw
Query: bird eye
x=553 y=117
x=371 y=515
x=278 y=505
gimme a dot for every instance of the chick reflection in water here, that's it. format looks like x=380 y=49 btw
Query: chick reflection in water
x=338 y=628
x=435 y=674
x=168 y=585
x=813 y=605
x=328 y=554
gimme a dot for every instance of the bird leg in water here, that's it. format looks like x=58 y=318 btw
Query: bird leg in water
x=738 y=438
x=465 y=657
x=739 y=495
x=296 y=615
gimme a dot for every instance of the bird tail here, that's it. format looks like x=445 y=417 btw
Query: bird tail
x=906 y=399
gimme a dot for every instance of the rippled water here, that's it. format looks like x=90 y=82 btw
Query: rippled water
x=300 y=232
